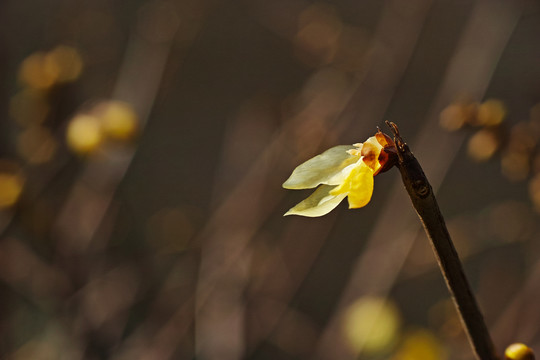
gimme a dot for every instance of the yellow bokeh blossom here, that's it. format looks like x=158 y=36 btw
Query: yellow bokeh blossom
x=41 y=70
x=371 y=325
x=340 y=172
x=64 y=61
x=119 y=120
x=84 y=133
x=11 y=184
x=518 y=351
x=95 y=126
x=420 y=344
x=35 y=73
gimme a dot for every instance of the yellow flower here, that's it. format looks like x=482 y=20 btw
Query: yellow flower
x=518 y=351
x=342 y=171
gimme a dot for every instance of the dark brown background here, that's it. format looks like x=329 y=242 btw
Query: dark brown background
x=175 y=246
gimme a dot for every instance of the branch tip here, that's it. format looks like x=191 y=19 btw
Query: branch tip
x=397 y=137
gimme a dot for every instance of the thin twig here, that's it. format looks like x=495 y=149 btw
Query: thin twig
x=427 y=209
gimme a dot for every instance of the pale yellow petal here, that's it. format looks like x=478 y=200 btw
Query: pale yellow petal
x=322 y=169
x=320 y=203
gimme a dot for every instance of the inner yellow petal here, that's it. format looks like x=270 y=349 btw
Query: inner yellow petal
x=358 y=186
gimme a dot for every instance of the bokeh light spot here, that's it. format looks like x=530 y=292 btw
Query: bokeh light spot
x=65 y=62
x=36 y=73
x=490 y=112
x=84 y=134
x=456 y=115
x=319 y=30
x=11 y=184
x=519 y=351
x=515 y=165
x=118 y=119
x=482 y=145
x=41 y=70
x=523 y=137
x=420 y=344
x=371 y=325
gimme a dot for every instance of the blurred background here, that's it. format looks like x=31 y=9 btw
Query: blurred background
x=143 y=145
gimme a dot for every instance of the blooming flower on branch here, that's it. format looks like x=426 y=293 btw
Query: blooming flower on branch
x=340 y=172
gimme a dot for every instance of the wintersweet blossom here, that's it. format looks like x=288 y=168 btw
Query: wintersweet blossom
x=340 y=172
